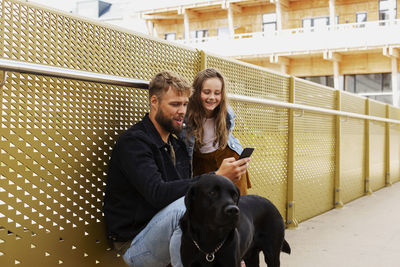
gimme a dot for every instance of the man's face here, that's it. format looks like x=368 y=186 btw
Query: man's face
x=171 y=110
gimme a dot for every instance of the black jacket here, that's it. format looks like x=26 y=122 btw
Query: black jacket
x=142 y=179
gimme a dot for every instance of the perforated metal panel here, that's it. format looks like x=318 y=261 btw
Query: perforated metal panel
x=56 y=138
x=153 y=56
x=57 y=134
x=313 y=94
x=353 y=150
x=377 y=147
x=260 y=126
x=394 y=145
x=314 y=152
x=38 y=35
x=265 y=129
x=249 y=80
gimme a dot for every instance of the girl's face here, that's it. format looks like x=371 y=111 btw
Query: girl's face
x=211 y=95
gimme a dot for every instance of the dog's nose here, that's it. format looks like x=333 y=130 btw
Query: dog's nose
x=231 y=210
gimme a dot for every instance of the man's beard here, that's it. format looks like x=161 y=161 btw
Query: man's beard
x=166 y=123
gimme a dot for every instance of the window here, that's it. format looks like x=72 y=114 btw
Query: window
x=317 y=22
x=350 y=83
x=170 y=36
x=386 y=82
x=269 y=22
x=201 y=33
x=385 y=9
x=307 y=23
x=104 y=7
x=223 y=32
x=361 y=17
x=368 y=83
x=375 y=86
x=324 y=80
x=383 y=98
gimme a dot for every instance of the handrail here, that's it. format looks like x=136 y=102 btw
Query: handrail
x=39 y=69
x=281 y=104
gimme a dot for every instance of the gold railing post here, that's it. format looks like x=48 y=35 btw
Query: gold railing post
x=291 y=216
x=338 y=199
x=203 y=62
x=388 y=181
x=368 y=189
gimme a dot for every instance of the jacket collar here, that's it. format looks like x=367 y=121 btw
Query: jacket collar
x=152 y=131
x=155 y=135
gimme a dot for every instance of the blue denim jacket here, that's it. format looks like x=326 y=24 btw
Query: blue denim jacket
x=233 y=142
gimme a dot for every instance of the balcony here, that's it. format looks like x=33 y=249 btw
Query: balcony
x=340 y=38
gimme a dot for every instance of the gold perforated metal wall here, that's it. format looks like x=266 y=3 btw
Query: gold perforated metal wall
x=57 y=134
x=56 y=137
x=314 y=151
x=260 y=126
x=353 y=150
x=377 y=146
x=394 y=139
x=250 y=80
x=39 y=35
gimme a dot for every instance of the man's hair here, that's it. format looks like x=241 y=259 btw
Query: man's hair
x=163 y=80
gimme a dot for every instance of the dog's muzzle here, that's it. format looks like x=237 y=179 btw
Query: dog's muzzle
x=231 y=210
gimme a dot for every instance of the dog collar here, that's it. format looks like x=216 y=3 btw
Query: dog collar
x=209 y=256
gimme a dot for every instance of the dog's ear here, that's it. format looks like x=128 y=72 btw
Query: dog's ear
x=238 y=191
x=190 y=196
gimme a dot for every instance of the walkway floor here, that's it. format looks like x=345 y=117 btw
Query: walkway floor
x=364 y=233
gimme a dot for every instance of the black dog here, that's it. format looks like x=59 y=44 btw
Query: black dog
x=220 y=230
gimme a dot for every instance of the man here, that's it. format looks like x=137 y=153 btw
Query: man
x=149 y=173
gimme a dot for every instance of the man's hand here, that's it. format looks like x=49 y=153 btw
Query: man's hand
x=233 y=169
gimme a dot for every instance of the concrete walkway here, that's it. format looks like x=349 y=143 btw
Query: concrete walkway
x=365 y=233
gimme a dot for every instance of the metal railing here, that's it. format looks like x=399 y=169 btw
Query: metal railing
x=280 y=104
x=38 y=69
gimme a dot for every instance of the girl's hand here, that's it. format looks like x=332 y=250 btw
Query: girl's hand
x=233 y=169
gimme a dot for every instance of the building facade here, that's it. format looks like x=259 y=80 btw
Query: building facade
x=352 y=45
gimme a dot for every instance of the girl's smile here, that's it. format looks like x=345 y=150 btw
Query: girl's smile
x=211 y=95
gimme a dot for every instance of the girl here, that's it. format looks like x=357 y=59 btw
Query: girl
x=209 y=125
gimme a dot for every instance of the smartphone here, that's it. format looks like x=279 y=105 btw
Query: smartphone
x=247 y=151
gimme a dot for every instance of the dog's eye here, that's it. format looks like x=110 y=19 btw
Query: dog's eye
x=212 y=193
x=234 y=195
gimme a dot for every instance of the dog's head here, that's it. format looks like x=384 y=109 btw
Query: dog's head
x=212 y=201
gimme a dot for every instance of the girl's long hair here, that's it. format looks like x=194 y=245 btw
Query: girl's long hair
x=197 y=115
